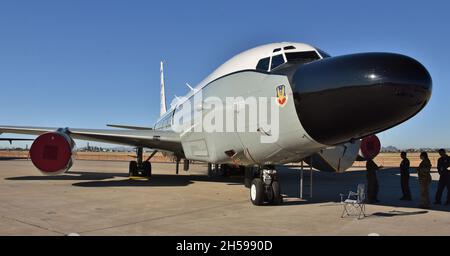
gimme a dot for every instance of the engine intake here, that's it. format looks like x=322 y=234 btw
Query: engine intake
x=370 y=147
x=52 y=153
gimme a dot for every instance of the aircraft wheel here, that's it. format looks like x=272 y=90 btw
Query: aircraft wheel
x=133 y=169
x=276 y=193
x=147 y=169
x=257 y=192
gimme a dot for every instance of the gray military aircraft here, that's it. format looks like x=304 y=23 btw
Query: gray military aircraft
x=327 y=110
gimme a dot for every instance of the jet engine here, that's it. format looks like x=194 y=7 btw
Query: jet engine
x=52 y=152
x=369 y=149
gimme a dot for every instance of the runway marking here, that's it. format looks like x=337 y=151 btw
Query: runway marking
x=162 y=217
x=33 y=225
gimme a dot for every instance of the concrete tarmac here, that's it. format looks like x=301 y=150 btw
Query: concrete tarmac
x=97 y=198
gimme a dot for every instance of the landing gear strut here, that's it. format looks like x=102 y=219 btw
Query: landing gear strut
x=140 y=168
x=265 y=188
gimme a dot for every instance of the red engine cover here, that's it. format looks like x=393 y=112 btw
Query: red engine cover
x=52 y=153
x=370 y=147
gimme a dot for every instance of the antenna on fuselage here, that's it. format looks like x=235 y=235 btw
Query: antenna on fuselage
x=190 y=87
x=163 y=108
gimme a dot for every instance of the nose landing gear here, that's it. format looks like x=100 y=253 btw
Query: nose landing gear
x=265 y=188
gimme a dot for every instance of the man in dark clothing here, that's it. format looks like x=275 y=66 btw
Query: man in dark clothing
x=404 y=177
x=372 y=181
x=444 y=179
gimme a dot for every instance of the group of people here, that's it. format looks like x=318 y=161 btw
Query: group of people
x=424 y=173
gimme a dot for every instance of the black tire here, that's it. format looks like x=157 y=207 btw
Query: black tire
x=133 y=169
x=257 y=192
x=276 y=192
x=147 y=169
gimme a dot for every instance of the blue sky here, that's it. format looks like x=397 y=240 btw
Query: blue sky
x=86 y=63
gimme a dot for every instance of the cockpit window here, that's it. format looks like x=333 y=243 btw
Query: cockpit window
x=277 y=60
x=323 y=54
x=290 y=47
x=263 y=64
x=302 y=57
x=277 y=50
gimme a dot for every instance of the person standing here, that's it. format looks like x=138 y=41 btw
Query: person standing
x=372 y=181
x=424 y=180
x=444 y=176
x=404 y=177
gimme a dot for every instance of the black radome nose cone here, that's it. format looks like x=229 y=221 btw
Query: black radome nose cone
x=349 y=97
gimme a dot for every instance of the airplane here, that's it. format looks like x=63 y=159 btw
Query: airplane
x=328 y=108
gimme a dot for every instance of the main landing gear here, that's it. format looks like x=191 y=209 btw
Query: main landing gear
x=140 y=168
x=264 y=186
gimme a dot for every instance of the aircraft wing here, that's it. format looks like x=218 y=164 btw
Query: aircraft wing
x=10 y=140
x=163 y=140
x=13 y=139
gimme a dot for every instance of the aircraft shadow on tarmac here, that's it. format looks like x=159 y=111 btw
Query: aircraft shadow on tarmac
x=103 y=179
x=72 y=175
x=159 y=180
x=327 y=188
x=12 y=158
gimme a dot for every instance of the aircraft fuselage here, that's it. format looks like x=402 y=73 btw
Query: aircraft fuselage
x=319 y=102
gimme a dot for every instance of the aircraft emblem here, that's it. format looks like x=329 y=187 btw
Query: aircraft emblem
x=281 y=95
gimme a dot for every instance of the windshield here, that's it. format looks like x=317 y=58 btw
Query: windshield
x=277 y=60
x=302 y=57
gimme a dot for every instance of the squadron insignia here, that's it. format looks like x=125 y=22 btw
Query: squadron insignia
x=281 y=95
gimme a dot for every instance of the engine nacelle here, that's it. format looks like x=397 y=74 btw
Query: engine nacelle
x=341 y=157
x=52 y=153
x=370 y=148
x=336 y=159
